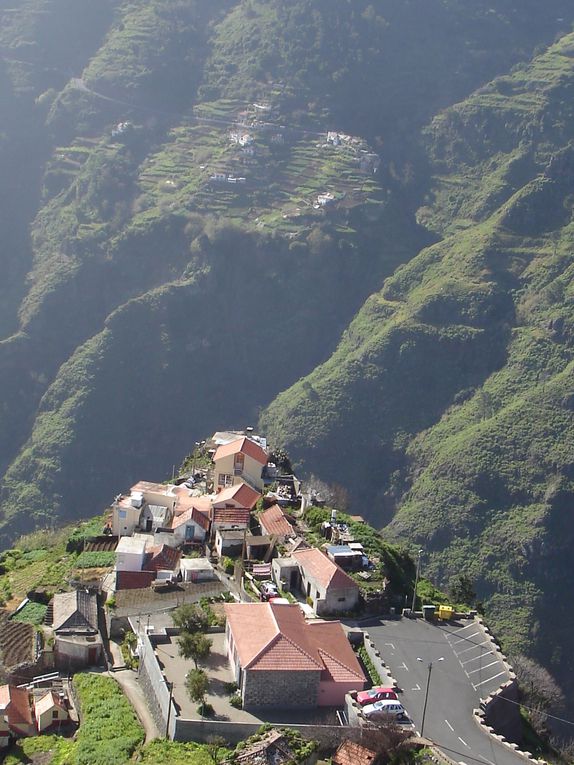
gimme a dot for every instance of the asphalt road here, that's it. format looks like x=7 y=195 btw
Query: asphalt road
x=464 y=670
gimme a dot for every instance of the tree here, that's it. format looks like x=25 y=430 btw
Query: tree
x=214 y=745
x=190 y=618
x=197 y=684
x=194 y=645
x=540 y=691
x=461 y=589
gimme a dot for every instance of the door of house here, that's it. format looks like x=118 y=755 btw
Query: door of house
x=238 y=463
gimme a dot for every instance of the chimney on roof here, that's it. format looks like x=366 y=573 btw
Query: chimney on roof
x=249 y=430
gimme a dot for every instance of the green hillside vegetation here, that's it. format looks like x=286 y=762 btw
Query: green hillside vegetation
x=419 y=323
x=49 y=560
x=460 y=369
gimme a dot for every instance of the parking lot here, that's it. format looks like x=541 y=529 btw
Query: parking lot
x=464 y=668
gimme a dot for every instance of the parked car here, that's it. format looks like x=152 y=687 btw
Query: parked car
x=268 y=591
x=375 y=694
x=384 y=710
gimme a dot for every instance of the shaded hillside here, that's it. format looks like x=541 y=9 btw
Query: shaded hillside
x=164 y=275
x=451 y=396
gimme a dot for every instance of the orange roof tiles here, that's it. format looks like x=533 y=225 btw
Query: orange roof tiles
x=163 y=557
x=241 y=493
x=335 y=651
x=243 y=445
x=277 y=638
x=231 y=516
x=16 y=702
x=191 y=514
x=47 y=702
x=350 y=753
x=273 y=521
x=319 y=567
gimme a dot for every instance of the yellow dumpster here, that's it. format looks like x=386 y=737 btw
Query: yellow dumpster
x=445 y=612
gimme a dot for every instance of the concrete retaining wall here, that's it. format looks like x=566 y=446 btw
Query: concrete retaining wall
x=155 y=688
x=197 y=730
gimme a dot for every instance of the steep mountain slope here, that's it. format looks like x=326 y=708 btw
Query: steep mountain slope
x=452 y=391
x=167 y=273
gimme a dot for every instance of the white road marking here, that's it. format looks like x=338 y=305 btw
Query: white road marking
x=404 y=666
x=464 y=639
x=483 y=655
x=485 y=760
x=462 y=741
x=416 y=688
x=462 y=629
x=492 y=663
x=449 y=725
x=392 y=646
x=472 y=647
x=488 y=681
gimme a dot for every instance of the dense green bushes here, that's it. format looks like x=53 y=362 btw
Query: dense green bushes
x=110 y=732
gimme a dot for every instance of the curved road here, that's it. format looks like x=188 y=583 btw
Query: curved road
x=465 y=669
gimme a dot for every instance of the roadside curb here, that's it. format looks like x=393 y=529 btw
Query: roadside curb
x=377 y=659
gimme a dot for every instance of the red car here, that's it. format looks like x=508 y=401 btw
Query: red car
x=375 y=694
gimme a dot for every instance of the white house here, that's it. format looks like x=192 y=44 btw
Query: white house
x=196 y=570
x=191 y=526
x=50 y=711
x=239 y=460
x=130 y=553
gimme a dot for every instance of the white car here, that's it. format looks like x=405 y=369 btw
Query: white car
x=384 y=709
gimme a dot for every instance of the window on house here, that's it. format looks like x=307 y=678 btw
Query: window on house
x=341 y=600
x=189 y=532
x=225 y=480
x=122 y=514
x=55 y=714
x=238 y=463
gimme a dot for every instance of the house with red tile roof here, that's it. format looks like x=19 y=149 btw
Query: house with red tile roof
x=16 y=716
x=192 y=525
x=238 y=495
x=280 y=660
x=239 y=460
x=330 y=589
x=273 y=522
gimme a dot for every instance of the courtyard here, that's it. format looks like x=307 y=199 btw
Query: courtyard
x=175 y=669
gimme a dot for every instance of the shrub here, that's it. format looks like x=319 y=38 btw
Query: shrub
x=236 y=701
x=95 y=559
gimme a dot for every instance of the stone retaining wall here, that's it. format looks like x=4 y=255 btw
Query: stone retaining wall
x=499 y=713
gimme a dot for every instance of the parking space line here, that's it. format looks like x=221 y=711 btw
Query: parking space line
x=476 y=658
x=462 y=640
x=404 y=666
x=472 y=624
x=472 y=647
x=463 y=742
x=488 y=681
x=449 y=725
x=392 y=646
x=480 y=669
